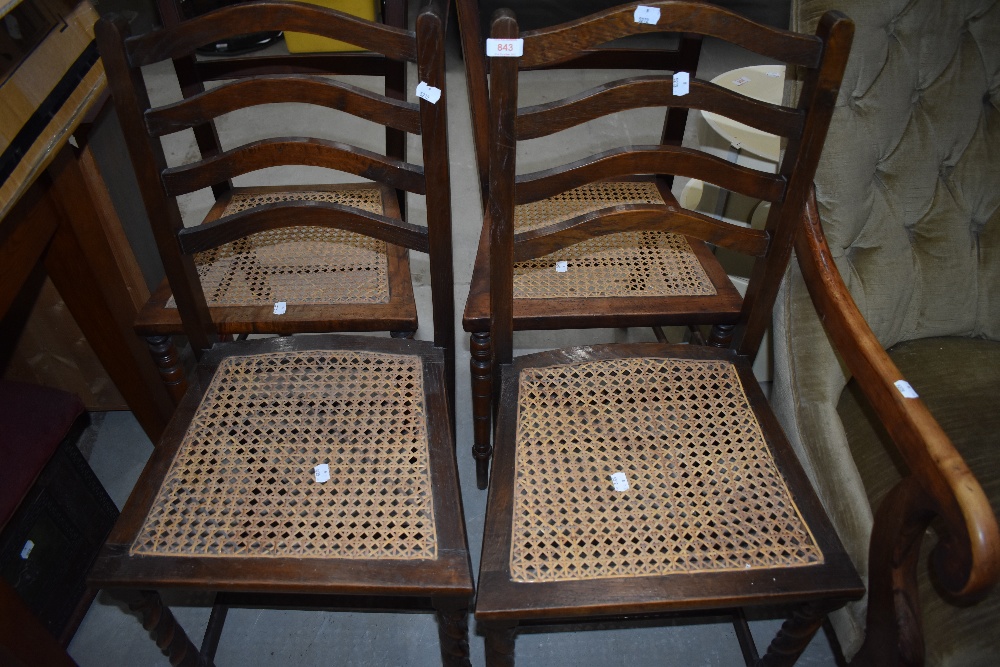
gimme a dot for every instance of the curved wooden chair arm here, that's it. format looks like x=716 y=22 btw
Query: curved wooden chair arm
x=966 y=561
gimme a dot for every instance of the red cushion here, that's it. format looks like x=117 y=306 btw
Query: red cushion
x=33 y=421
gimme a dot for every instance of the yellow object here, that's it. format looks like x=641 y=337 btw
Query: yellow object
x=301 y=42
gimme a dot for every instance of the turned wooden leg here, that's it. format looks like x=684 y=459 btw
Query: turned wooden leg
x=163 y=628
x=796 y=633
x=721 y=335
x=481 y=366
x=168 y=362
x=403 y=334
x=500 y=645
x=453 y=631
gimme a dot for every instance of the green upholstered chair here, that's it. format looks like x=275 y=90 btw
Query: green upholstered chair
x=908 y=193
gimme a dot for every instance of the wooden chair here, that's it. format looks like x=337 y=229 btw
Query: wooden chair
x=644 y=479
x=234 y=498
x=633 y=279
x=332 y=305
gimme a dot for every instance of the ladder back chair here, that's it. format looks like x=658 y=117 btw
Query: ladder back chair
x=317 y=468
x=342 y=286
x=644 y=479
x=636 y=278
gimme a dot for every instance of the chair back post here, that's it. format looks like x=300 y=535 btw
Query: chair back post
x=206 y=136
x=148 y=162
x=818 y=98
x=503 y=165
x=434 y=140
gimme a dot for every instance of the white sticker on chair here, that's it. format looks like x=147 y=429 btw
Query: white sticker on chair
x=905 y=389
x=26 y=550
x=504 y=48
x=322 y=472
x=620 y=482
x=428 y=92
x=682 y=83
x=774 y=75
x=279 y=308
x=562 y=266
x=740 y=81
x=647 y=15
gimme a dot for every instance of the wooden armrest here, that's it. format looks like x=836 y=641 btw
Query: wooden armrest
x=966 y=561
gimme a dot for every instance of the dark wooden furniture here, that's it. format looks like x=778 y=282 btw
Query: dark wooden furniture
x=235 y=499
x=354 y=304
x=54 y=513
x=634 y=480
x=55 y=211
x=637 y=278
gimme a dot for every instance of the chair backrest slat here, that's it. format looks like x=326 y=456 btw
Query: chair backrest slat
x=267 y=15
x=637 y=218
x=293 y=151
x=306 y=214
x=549 y=46
x=229 y=97
x=654 y=91
x=658 y=159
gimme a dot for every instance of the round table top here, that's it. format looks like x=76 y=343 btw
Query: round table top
x=761 y=82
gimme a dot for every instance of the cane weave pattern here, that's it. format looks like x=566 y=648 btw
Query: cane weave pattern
x=703 y=492
x=243 y=484
x=297 y=265
x=617 y=265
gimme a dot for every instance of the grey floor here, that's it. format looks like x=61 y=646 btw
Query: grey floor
x=118 y=449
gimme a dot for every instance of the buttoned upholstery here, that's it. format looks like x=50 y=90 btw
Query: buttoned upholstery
x=909 y=195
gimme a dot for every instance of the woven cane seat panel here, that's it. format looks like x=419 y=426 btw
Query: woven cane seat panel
x=616 y=265
x=297 y=265
x=243 y=483
x=703 y=492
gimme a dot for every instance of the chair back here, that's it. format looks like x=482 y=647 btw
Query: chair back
x=622 y=56
x=821 y=58
x=160 y=185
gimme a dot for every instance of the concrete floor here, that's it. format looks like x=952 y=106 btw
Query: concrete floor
x=118 y=449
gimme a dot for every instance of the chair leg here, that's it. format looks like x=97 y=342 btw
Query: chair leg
x=453 y=631
x=481 y=366
x=796 y=633
x=722 y=335
x=500 y=645
x=168 y=362
x=163 y=628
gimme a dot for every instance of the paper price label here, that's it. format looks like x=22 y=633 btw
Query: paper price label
x=280 y=307
x=682 y=83
x=26 y=550
x=905 y=389
x=428 y=92
x=647 y=15
x=504 y=48
x=740 y=81
x=620 y=481
x=773 y=75
x=322 y=472
x=562 y=267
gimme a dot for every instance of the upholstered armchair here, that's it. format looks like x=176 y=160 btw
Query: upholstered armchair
x=908 y=195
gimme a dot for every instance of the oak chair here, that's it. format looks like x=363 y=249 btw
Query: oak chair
x=633 y=279
x=331 y=304
x=645 y=479
x=312 y=469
